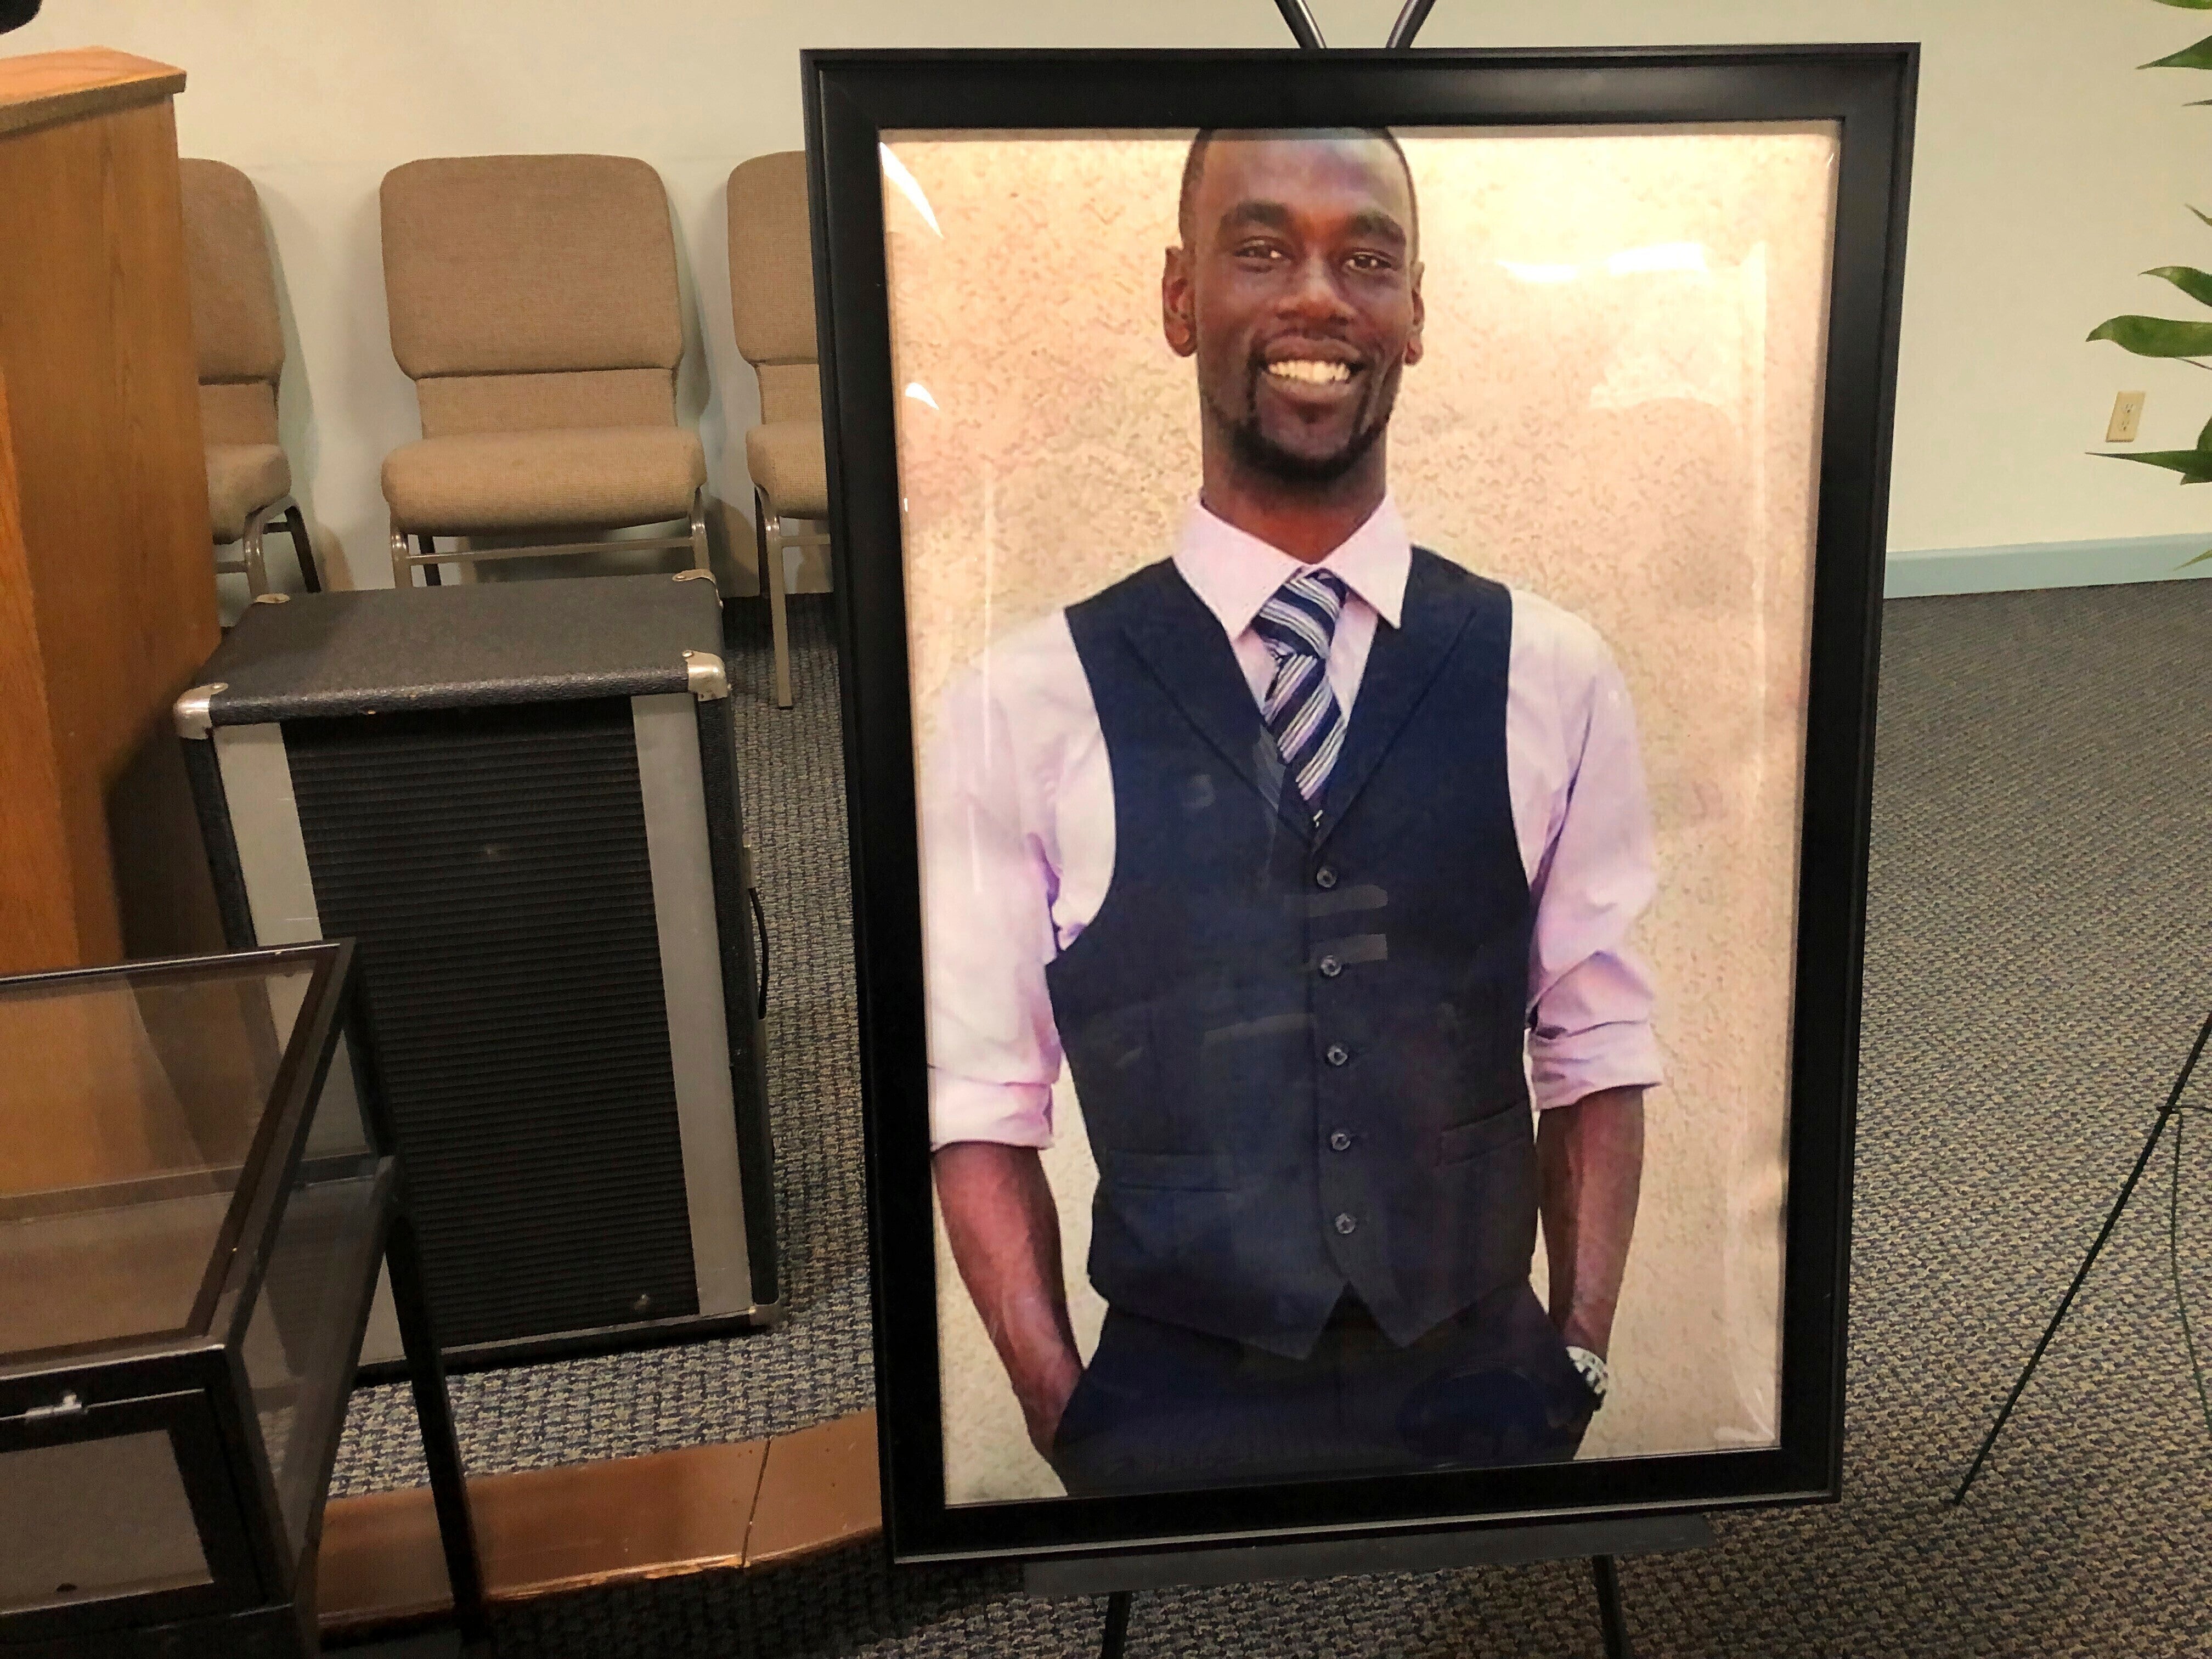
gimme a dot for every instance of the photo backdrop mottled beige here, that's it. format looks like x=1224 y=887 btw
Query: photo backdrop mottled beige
x=1618 y=410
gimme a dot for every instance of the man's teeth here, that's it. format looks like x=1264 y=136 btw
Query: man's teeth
x=1311 y=371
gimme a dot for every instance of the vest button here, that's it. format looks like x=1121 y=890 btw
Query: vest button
x=1330 y=967
x=1324 y=876
x=1338 y=1054
x=1345 y=1223
x=1339 y=1142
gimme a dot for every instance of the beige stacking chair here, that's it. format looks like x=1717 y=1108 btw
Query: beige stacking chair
x=772 y=306
x=241 y=345
x=533 y=303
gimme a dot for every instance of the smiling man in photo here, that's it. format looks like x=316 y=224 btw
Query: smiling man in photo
x=1308 y=852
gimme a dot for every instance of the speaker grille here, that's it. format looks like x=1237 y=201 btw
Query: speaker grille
x=491 y=862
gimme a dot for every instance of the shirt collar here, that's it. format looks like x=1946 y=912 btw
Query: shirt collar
x=1234 y=572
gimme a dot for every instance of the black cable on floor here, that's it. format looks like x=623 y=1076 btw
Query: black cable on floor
x=2174 y=1247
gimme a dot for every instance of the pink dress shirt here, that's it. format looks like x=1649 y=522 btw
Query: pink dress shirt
x=1017 y=805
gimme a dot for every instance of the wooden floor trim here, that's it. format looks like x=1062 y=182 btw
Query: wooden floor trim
x=544 y=1532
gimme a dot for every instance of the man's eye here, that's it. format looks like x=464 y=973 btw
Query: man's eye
x=1259 y=251
x=1369 y=263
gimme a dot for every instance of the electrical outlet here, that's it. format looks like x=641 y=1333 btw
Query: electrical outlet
x=2127 y=415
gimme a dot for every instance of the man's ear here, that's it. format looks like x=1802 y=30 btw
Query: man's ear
x=1176 y=321
x=1420 y=315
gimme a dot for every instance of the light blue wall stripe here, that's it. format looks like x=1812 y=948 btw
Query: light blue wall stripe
x=2044 y=564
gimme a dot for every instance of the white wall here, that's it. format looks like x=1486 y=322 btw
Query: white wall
x=2049 y=172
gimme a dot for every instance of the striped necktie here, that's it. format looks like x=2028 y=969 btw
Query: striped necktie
x=1297 y=624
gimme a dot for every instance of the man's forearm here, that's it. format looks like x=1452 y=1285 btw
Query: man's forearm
x=1005 y=1231
x=1590 y=1156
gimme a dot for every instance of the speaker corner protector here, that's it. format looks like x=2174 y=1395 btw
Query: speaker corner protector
x=709 y=680
x=195 y=709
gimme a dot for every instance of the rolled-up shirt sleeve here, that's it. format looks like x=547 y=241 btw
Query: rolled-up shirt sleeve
x=1591 y=995
x=988 y=930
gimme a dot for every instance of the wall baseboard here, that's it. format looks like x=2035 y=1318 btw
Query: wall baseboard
x=2044 y=564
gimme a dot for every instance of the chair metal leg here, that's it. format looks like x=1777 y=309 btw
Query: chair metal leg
x=465 y=557
x=296 y=526
x=257 y=568
x=699 y=561
x=768 y=532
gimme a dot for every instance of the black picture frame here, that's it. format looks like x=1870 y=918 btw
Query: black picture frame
x=853 y=98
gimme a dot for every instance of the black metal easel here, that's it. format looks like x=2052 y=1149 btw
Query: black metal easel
x=1117 y=1625
x=1119 y=1578
x=1605 y=1571
x=2165 y=1116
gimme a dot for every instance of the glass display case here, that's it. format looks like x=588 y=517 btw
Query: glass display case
x=196 y=1187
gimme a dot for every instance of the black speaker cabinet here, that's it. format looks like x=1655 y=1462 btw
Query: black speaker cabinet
x=520 y=798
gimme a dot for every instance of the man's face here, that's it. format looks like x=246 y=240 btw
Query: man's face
x=1297 y=292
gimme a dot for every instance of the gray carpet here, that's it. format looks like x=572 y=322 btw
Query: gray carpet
x=2036 y=962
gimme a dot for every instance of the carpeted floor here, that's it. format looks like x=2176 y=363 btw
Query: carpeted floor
x=2038 y=954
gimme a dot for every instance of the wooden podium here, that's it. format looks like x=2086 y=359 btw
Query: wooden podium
x=106 y=594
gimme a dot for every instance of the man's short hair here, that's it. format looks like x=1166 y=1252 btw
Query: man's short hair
x=1194 y=163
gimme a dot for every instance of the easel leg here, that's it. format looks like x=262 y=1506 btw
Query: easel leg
x=2111 y=1220
x=1117 y=1626
x=1609 y=1616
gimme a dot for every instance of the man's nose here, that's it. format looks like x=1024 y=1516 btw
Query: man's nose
x=1314 y=291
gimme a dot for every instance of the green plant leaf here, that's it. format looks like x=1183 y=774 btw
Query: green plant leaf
x=2204 y=438
x=2199 y=559
x=2195 y=466
x=2200 y=212
x=2188 y=5
x=2196 y=284
x=2155 y=337
x=2197 y=56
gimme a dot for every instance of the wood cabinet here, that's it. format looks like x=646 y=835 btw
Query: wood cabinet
x=106 y=596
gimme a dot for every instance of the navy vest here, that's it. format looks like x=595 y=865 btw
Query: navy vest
x=1298 y=1049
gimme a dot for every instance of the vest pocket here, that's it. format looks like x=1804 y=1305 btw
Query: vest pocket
x=1479 y=1140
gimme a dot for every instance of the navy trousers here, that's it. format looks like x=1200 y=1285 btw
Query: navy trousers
x=1162 y=1407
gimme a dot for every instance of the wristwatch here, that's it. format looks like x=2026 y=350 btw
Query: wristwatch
x=1592 y=1366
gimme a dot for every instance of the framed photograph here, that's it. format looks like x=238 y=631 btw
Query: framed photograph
x=1359 y=576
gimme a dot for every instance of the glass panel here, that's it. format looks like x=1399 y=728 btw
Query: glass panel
x=299 y=1343
x=93 y=1518
x=127 y=1107
x=336 y=1128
